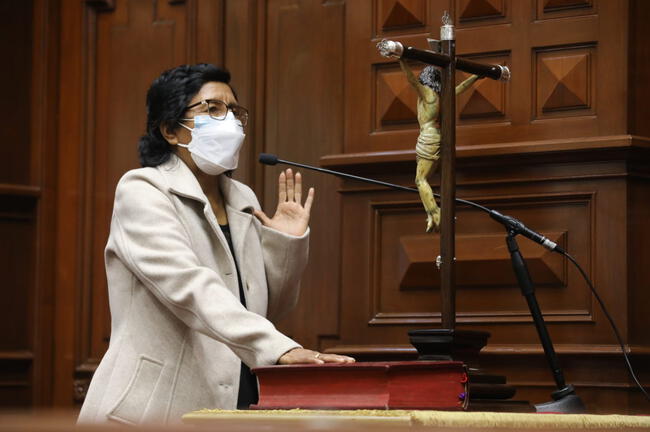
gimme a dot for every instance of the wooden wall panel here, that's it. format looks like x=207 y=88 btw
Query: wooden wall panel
x=303 y=120
x=17 y=206
x=17 y=265
x=243 y=53
x=483 y=262
x=639 y=67
x=473 y=12
x=564 y=80
x=17 y=230
x=27 y=183
x=15 y=104
x=487 y=100
x=596 y=29
x=399 y=15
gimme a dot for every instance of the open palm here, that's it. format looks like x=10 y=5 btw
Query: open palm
x=291 y=216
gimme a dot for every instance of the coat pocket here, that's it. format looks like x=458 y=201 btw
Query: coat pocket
x=135 y=400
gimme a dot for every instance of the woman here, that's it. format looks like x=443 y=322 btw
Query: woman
x=194 y=266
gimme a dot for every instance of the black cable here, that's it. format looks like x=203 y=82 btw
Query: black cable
x=611 y=322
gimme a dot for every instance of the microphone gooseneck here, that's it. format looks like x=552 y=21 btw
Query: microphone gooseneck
x=271 y=159
x=510 y=223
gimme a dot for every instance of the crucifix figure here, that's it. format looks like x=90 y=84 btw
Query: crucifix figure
x=427 y=148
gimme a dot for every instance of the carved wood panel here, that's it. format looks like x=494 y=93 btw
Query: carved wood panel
x=395 y=98
x=481 y=12
x=382 y=248
x=400 y=15
x=549 y=9
x=487 y=99
x=571 y=106
x=405 y=281
x=564 y=80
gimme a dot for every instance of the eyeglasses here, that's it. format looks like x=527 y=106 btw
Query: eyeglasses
x=218 y=110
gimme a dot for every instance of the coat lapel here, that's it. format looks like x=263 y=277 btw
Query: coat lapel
x=182 y=182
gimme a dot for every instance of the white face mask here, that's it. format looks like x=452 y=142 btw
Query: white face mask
x=215 y=144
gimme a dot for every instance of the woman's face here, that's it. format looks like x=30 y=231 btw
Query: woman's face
x=209 y=91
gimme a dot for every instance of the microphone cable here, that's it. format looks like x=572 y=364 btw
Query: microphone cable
x=611 y=322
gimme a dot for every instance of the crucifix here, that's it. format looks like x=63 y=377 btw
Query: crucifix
x=432 y=132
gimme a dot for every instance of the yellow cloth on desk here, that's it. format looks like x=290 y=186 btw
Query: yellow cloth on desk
x=428 y=418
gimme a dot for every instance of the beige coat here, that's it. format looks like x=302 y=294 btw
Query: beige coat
x=178 y=327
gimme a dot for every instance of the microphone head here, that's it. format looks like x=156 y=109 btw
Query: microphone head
x=268 y=159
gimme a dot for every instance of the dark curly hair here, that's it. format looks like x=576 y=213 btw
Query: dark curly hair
x=430 y=77
x=167 y=98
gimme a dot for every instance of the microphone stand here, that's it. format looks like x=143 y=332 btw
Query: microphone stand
x=565 y=400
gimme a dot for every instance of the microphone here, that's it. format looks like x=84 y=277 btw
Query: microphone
x=388 y=48
x=510 y=223
x=516 y=226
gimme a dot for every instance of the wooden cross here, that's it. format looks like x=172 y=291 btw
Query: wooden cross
x=443 y=55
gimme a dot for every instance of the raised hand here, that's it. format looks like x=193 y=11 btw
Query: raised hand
x=305 y=356
x=290 y=217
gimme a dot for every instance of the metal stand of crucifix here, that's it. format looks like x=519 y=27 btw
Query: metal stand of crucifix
x=448 y=343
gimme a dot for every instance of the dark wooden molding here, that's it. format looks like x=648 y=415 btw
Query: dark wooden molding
x=530 y=148
x=12 y=189
x=102 y=5
x=176 y=2
x=496 y=350
x=510 y=317
x=17 y=355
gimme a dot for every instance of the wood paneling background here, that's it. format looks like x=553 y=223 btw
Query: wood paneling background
x=564 y=146
x=27 y=189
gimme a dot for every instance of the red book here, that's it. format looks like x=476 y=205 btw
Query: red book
x=377 y=385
